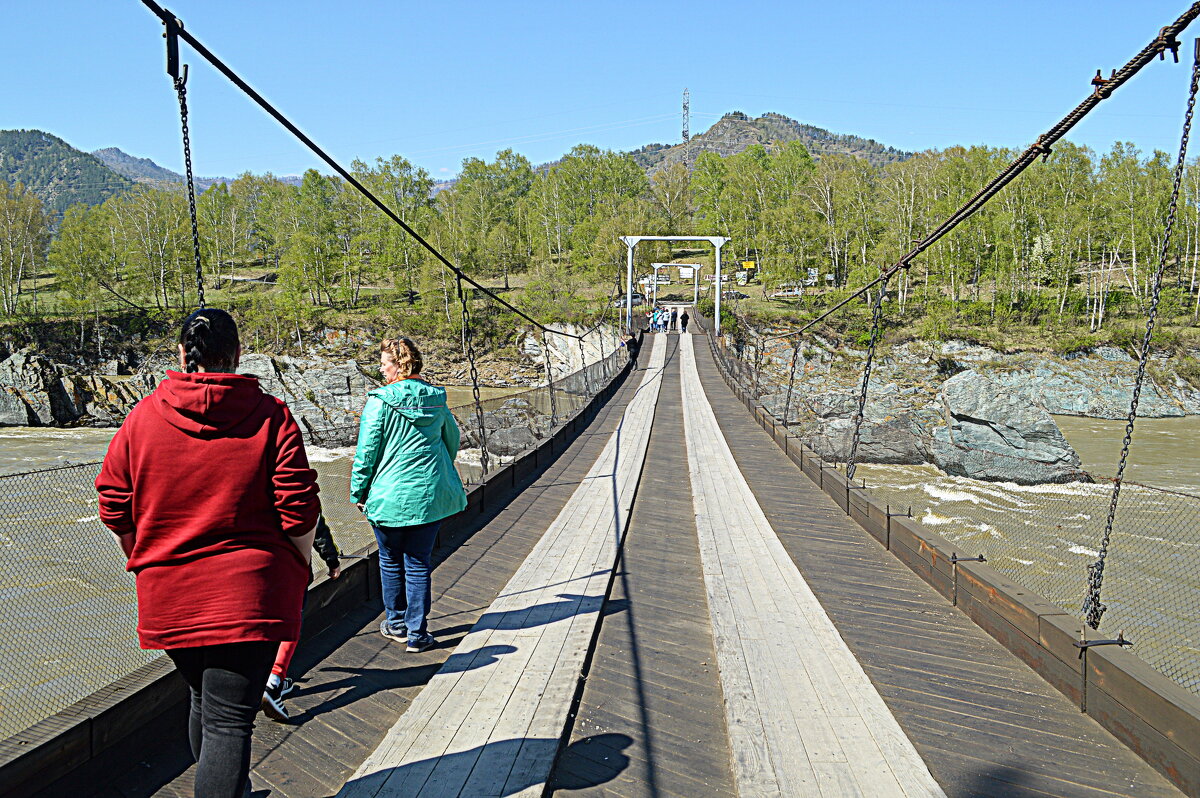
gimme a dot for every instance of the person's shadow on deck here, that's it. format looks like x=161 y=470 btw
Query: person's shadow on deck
x=529 y=762
x=363 y=682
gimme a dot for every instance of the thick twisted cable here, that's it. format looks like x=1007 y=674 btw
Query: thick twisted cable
x=860 y=412
x=469 y=350
x=1166 y=40
x=181 y=91
x=1093 y=608
x=169 y=20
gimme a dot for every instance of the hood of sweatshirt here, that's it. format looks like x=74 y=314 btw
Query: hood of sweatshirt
x=204 y=404
x=415 y=399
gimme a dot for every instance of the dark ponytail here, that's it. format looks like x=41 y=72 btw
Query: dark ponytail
x=210 y=341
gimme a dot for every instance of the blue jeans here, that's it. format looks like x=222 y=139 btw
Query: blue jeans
x=405 y=554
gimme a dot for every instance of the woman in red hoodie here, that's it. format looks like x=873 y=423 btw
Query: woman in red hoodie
x=208 y=488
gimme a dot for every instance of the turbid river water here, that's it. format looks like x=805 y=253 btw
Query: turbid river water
x=69 y=606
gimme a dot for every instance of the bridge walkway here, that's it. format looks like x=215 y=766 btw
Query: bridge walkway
x=352 y=682
x=982 y=721
x=654 y=716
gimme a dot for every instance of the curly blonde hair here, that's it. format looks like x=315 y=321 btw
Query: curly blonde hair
x=405 y=354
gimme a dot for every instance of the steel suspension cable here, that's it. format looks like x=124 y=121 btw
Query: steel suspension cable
x=1093 y=608
x=175 y=29
x=1104 y=87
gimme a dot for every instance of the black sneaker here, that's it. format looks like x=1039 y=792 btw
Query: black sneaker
x=272 y=703
x=286 y=688
x=393 y=631
x=421 y=643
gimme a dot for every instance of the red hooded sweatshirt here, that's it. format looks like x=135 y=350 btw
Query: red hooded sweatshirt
x=210 y=476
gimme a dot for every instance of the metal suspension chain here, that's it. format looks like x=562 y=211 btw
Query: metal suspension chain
x=787 y=401
x=587 y=381
x=469 y=348
x=550 y=383
x=1093 y=608
x=181 y=91
x=859 y=413
x=758 y=359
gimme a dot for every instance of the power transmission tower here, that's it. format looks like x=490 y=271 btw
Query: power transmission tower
x=687 y=136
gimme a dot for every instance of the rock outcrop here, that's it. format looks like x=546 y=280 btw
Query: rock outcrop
x=325 y=398
x=1000 y=435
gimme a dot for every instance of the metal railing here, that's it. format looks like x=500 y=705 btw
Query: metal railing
x=1042 y=535
x=70 y=610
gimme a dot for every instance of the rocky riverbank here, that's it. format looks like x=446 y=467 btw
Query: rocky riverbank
x=968 y=409
x=324 y=393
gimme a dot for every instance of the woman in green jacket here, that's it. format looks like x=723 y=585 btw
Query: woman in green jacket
x=405 y=482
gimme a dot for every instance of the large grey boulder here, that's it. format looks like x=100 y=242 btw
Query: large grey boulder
x=325 y=398
x=14 y=412
x=896 y=441
x=36 y=381
x=1000 y=435
x=510 y=442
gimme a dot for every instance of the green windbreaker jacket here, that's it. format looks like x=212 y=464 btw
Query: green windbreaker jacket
x=404 y=464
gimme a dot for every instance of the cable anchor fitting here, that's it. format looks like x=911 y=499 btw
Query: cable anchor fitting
x=1101 y=83
x=1119 y=640
x=1167 y=41
x=1042 y=148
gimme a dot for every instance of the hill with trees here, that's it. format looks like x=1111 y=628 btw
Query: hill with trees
x=57 y=173
x=144 y=170
x=735 y=132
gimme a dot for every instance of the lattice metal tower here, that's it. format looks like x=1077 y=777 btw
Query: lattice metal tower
x=687 y=136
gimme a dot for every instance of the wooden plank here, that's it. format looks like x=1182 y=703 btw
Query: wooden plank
x=786 y=672
x=493 y=729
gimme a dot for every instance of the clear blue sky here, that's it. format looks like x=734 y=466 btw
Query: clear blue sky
x=437 y=82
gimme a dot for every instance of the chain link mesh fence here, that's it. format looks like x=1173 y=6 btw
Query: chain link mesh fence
x=70 y=607
x=1037 y=521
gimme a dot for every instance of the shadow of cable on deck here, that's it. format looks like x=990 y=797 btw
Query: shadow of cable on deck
x=594 y=761
x=570 y=605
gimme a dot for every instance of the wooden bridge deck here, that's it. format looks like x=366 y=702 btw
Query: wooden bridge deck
x=666 y=700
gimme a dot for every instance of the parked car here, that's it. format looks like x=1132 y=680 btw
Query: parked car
x=638 y=299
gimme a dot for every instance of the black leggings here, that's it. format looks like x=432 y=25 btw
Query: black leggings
x=226 y=683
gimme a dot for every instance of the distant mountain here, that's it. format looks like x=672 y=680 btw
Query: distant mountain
x=144 y=170
x=55 y=171
x=736 y=131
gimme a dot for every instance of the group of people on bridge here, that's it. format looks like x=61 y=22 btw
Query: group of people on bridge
x=663 y=319
x=209 y=491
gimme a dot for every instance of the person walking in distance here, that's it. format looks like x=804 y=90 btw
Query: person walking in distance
x=404 y=480
x=634 y=347
x=279 y=686
x=683 y=320
x=208 y=489
x=674 y=319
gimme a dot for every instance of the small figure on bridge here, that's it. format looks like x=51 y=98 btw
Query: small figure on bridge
x=208 y=488
x=405 y=482
x=683 y=320
x=674 y=319
x=278 y=684
x=634 y=347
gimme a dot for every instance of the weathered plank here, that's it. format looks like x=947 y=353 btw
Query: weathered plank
x=804 y=718
x=491 y=727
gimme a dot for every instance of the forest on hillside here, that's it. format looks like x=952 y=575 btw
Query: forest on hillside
x=58 y=173
x=1069 y=247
